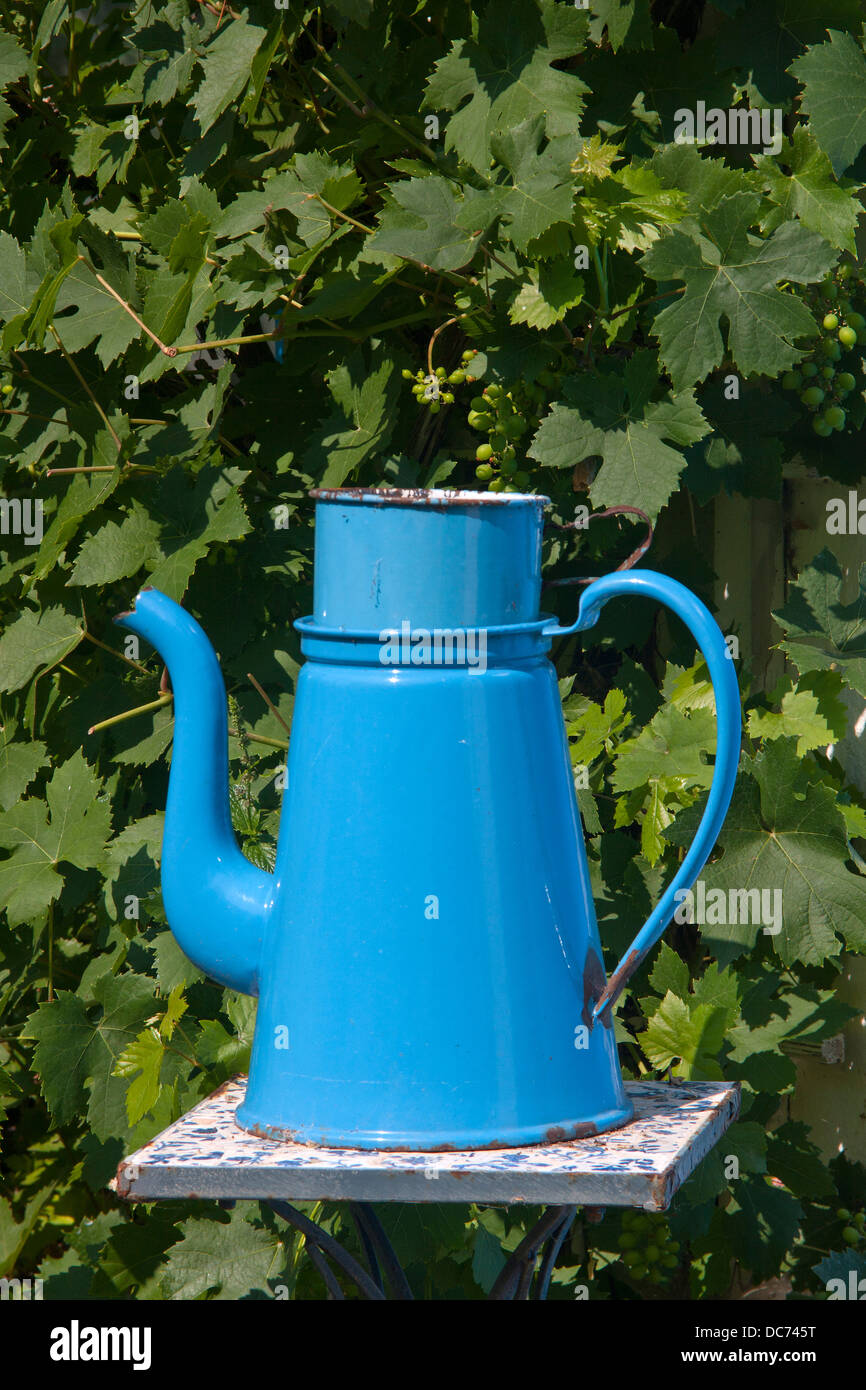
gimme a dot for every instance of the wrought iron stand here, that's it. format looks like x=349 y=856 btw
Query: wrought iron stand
x=205 y=1155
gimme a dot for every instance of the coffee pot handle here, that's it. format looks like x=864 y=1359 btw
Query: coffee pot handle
x=711 y=643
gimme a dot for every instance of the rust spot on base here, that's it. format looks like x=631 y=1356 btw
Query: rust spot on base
x=122 y=1184
x=556 y=1134
x=585 y=1131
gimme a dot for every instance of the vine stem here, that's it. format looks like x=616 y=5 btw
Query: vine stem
x=370 y=106
x=131 y=713
x=627 y=309
x=493 y=256
x=50 y=953
x=368 y=231
x=74 y=367
x=166 y=699
x=24 y=371
x=227 y=342
x=120 y=656
x=31 y=415
x=260 y=738
x=440 y=329
x=602 y=281
x=100 y=468
x=268 y=701
x=451 y=275
x=127 y=308
x=347 y=101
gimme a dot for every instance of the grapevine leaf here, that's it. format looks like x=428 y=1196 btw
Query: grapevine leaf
x=671 y=745
x=782 y=835
x=64 y=1037
x=627 y=207
x=747 y=1141
x=821 y=632
x=130 y=862
x=28 y=879
x=80 y=813
x=610 y=413
x=134 y=1253
x=193 y=519
x=797 y=1163
x=743 y=451
x=547 y=295
x=34 y=642
x=833 y=75
x=730 y=275
x=142 y=1060
x=802 y=717
x=361 y=424
x=626 y=23
x=226 y=63
x=165 y=76
x=72 y=827
x=543 y=188
x=215 y=1047
x=764 y=1221
x=593 y=727
x=314 y=180
x=127 y=1001
x=777 y=31
x=19 y=764
x=670 y=974
x=506 y=72
x=699 y=178
x=114 y=552
x=420 y=224
x=687 y=1033
x=231 y=1258
x=75 y=1045
x=18 y=282
x=92 y=299
x=488 y=1259
x=809 y=191
x=719 y=988
x=13 y=60
x=85 y=493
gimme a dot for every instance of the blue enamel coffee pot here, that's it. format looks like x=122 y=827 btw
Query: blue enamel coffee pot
x=425 y=954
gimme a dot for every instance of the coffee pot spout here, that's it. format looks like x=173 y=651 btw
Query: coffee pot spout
x=216 y=902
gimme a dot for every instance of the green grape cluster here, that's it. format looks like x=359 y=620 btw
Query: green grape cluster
x=855 y=1226
x=649 y=1251
x=431 y=388
x=818 y=381
x=506 y=417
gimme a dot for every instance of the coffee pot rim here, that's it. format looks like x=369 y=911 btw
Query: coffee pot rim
x=429 y=497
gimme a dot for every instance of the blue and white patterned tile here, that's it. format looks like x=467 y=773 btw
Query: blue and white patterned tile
x=205 y=1154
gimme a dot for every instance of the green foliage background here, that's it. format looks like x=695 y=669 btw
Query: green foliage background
x=235 y=177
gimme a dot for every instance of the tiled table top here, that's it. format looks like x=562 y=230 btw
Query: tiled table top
x=205 y=1155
